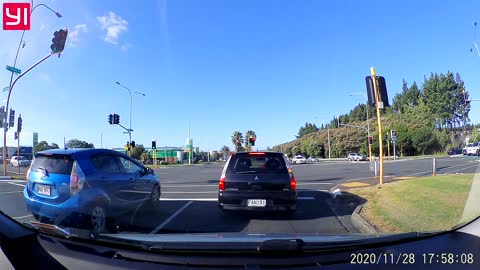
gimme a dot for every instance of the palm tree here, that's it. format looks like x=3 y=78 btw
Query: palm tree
x=225 y=151
x=249 y=134
x=237 y=140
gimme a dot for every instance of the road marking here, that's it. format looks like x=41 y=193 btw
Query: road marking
x=194 y=192
x=205 y=171
x=20 y=185
x=163 y=224
x=462 y=169
x=187 y=185
x=10 y=192
x=23 y=217
x=309 y=183
x=190 y=199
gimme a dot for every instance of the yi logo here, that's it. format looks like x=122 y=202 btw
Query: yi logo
x=16 y=16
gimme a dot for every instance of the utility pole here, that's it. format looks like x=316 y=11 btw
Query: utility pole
x=329 y=148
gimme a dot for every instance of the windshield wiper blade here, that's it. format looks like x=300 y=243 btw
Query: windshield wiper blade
x=48 y=228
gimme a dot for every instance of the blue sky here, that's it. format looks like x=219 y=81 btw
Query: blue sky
x=268 y=66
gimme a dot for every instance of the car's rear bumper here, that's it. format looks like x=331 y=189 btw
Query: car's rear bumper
x=275 y=200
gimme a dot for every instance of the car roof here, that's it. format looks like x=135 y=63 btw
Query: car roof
x=76 y=151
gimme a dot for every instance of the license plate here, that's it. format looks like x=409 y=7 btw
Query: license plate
x=256 y=203
x=44 y=190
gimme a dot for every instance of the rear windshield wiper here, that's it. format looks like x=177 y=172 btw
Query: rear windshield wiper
x=246 y=172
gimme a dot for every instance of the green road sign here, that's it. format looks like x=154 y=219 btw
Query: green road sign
x=5 y=89
x=15 y=70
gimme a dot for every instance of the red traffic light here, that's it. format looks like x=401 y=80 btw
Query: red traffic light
x=370 y=140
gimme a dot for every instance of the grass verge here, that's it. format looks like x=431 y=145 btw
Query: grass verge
x=417 y=204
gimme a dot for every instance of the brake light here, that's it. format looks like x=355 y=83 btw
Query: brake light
x=256 y=153
x=293 y=183
x=77 y=179
x=221 y=183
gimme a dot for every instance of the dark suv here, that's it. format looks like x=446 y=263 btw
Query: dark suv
x=257 y=181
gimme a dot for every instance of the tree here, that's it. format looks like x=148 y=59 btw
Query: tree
x=43 y=145
x=307 y=129
x=145 y=156
x=237 y=140
x=76 y=143
x=249 y=134
x=475 y=136
x=423 y=140
x=137 y=151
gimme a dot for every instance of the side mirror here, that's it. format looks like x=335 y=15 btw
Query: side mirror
x=150 y=170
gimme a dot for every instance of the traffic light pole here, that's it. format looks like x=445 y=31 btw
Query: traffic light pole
x=18 y=151
x=5 y=128
x=379 y=119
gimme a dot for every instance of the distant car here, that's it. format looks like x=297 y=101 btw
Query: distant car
x=299 y=160
x=356 y=157
x=454 y=151
x=88 y=188
x=472 y=149
x=19 y=161
x=313 y=159
x=257 y=181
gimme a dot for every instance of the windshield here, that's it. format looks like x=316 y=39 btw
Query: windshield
x=162 y=117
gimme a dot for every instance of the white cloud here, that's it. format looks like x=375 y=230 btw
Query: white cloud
x=125 y=47
x=114 y=25
x=73 y=34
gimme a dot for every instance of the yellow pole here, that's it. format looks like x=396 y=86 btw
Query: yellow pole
x=388 y=146
x=379 y=119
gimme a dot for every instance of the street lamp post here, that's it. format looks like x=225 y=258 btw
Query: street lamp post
x=368 y=122
x=5 y=128
x=131 y=108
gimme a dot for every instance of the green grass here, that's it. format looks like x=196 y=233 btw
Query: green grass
x=418 y=204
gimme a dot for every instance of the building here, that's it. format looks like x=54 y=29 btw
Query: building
x=171 y=154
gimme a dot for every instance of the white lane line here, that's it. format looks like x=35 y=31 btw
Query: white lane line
x=187 y=185
x=306 y=184
x=430 y=171
x=190 y=199
x=20 y=185
x=10 y=192
x=194 y=192
x=23 y=217
x=457 y=170
x=163 y=224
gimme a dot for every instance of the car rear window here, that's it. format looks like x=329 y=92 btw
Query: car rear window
x=58 y=164
x=257 y=164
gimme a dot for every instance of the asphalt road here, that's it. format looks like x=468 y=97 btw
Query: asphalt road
x=189 y=198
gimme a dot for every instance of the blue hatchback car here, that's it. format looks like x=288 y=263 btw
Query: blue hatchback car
x=88 y=188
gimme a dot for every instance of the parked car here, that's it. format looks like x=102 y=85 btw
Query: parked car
x=19 y=161
x=88 y=187
x=312 y=159
x=257 y=181
x=454 y=151
x=356 y=157
x=299 y=160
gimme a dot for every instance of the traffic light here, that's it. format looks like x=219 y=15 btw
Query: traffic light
x=11 y=123
x=19 y=125
x=154 y=144
x=133 y=144
x=116 y=119
x=59 y=40
x=251 y=141
x=370 y=140
x=2 y=115
x=110 y=119
x=393 y=133
x=16 y=135
x=382 y=91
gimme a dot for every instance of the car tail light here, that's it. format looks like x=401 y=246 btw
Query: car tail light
x=77 y=179
x=221 y=183
x=293 y=183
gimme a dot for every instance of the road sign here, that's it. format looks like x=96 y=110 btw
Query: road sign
x=5 y=89
x=15 y=70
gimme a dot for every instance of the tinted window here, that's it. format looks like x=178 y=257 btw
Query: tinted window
x=250 y=164
x=106 y=163
x=59 y=164
x=129 y=166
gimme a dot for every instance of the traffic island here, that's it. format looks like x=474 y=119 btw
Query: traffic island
x=417 y=204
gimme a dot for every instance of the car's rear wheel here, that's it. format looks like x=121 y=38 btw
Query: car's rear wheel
x=99 y=221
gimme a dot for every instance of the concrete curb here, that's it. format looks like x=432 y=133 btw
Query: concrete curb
x=360 y=223
x=347 y=225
